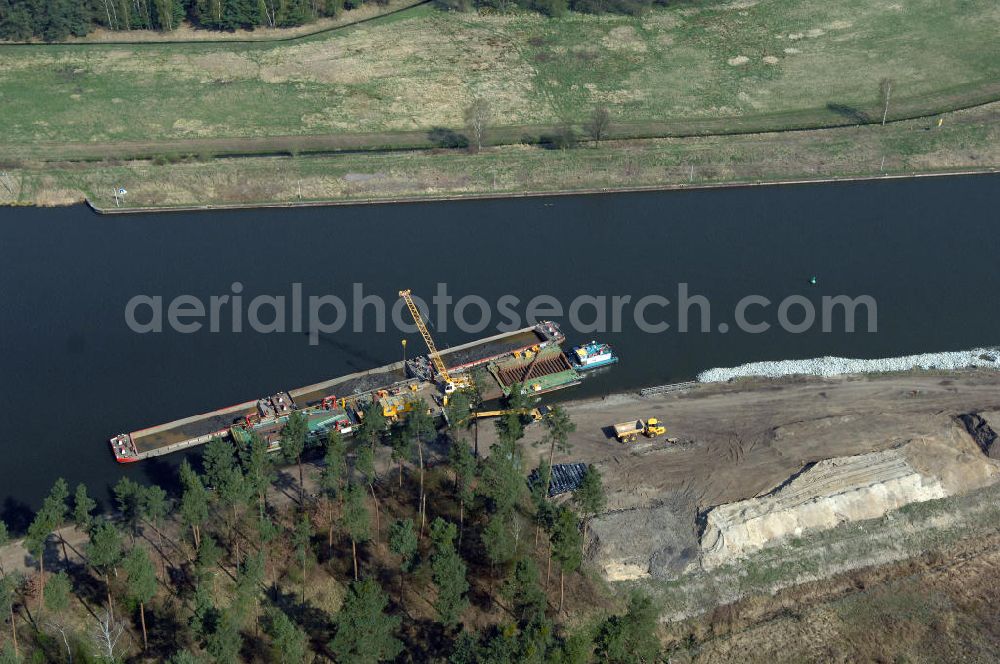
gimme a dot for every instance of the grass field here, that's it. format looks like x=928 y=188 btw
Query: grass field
x=418 y=69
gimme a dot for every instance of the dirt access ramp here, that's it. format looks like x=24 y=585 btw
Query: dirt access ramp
x=744 y=440
x=740 y=440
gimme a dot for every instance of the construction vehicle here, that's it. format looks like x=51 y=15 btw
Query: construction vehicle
x=393 y=405
x=536 y=414
x=450 y=384
x=627 y=432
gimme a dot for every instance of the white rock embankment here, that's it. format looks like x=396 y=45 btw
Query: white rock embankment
x=855 y=488
x=838 y=366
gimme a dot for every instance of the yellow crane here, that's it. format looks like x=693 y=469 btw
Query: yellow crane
x=449 y=384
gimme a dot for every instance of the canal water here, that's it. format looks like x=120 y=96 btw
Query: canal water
x=73 y=373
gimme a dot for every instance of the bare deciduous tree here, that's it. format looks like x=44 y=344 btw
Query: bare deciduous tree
x=885 y=93
x=477 y=119
x=61 y=628
x=107 y=634
x=598 y=124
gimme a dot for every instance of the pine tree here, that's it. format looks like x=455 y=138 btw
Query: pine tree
x=458 y=410
x=544 y=510
x=334 y=462
x=449 y=573
x=58 y=508
x=183 y=657
x=58 y=592
x=38 y=534
x=234 y=492
x=289 y=643
x=258 y=468
x=127 y=501
x=355 y=520
x=194 y=502
x=365 y=463
x=301 y=541
x=218 y=459
x=463 y=465
x=589 y=497
x=225 y=642
x=402 y=449
x=498 y=540
x=267 y=532
x=249 y=579
x=575 y=648
x=559 y=426
x=502 y=482
x=372 y=426
x=141 y=584
x=9 y=583
x=331 y=479
x=104 y=553
x=419 y=427
x=566 y=547
x=83 y=505
x=365 y=633
x=154 y=507
x=403 y=543
x=630 y=637
x=204 y=615
x=293 y=443
x=167 y=14
x=207 y=562
x=523 y=590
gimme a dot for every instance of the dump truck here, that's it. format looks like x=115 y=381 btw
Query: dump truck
x=627 y=432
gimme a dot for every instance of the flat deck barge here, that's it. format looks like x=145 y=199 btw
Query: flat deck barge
x=354 y=390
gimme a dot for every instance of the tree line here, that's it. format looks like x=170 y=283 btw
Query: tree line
x=554 y=7
x=460 y=561
x=55 y=20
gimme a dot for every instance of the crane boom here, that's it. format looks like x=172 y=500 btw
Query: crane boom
x=418 y=319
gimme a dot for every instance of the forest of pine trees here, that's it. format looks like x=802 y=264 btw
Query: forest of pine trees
x=555 y=7
x=55 y=20
x=398 y=545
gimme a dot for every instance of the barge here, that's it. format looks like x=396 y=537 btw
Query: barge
x=531 y=355
x=538 y=371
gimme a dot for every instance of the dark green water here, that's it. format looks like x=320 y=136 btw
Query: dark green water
x=72 y=373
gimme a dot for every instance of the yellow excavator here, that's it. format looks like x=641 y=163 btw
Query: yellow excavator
x=450 y=384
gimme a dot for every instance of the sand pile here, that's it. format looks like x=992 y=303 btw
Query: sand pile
x=830 y=492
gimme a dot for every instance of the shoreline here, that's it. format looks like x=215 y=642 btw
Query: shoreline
x=590 y=191
x=755 y=383
x=838 y=367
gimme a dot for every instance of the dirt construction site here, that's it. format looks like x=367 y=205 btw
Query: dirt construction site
x=747 y=465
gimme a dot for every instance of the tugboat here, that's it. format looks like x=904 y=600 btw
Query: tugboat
x=591 y=356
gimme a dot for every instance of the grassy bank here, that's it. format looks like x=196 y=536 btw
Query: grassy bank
x=783 y=62
x=968 y=140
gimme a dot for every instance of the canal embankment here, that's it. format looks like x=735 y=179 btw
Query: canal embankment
x=963 y=142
